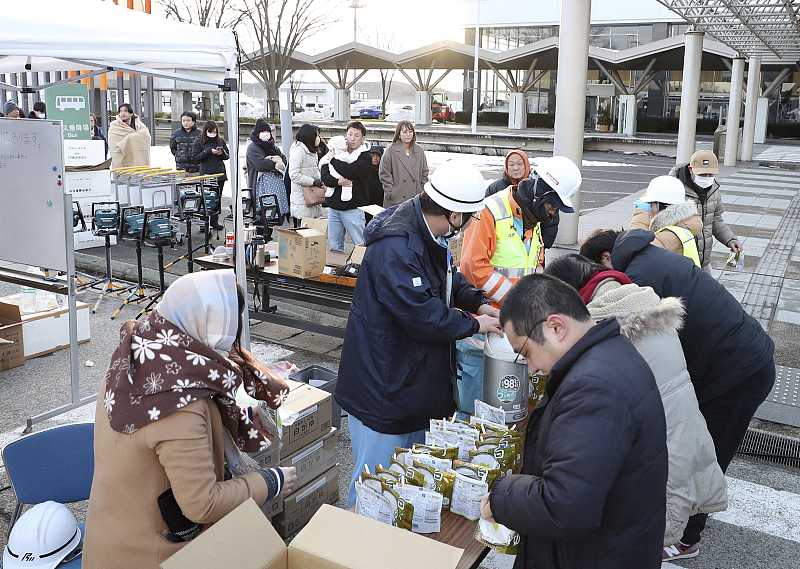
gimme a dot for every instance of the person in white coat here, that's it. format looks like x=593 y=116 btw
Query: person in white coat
x=696 y=482
x=304 y=171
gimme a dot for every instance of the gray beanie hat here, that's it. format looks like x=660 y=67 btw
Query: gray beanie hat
x=8 y=107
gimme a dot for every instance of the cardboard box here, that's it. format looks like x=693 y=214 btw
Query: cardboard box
x=84 y=152
x=302 y=252
x=372 y=209
x=89 y=183
x=273 y=507
x=44 y=332
x=357 y=254
x=304 y=417
x=303 y=502
x=314 y=459
x=11 y=350
x=333 y=539
x=268 y=458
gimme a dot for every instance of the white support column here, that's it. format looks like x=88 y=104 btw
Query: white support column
x=750 y=104
x=626 y=121
x=341 y=105
x=573 y=59
x=422 y=107
x=517 y=117
x=762 y=107
x=734 y=111
x=690 y=95
x=176 y=108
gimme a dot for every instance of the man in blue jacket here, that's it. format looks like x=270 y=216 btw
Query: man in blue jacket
x=398 y=367
x=594 y=472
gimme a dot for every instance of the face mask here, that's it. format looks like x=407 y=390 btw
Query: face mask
x=317 y=141
x=455 y=232
x=211 y=135
x=264 y=135
x=704 y=181
x=41 y=115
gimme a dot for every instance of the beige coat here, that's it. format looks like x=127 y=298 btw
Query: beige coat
x=184 y=450
x=711 y=214
x=683 y=215
x=401 y=176
x=129 y=147
x=303 y=170
x=695 y=482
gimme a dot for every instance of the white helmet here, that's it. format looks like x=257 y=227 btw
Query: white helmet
x=42 y=538
x=665 y=189
x=561 y=174
x=457 y=186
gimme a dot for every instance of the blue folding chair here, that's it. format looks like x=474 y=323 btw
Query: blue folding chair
x=56 y=464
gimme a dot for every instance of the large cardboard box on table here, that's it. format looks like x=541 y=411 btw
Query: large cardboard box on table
x=334 y=539
x=314 y=459
x=273 y=507
x=304 y=416
x=11 y=350
x=302 y=252
x=304 y=501
x=43 y=332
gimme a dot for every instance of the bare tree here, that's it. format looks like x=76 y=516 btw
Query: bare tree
x=207 y=13
x=388 y=42
x=295 y=82
x=276 y=29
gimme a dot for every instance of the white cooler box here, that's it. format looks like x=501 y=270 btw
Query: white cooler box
x=46 y=332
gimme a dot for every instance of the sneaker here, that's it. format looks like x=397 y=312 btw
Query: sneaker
x=680 y=551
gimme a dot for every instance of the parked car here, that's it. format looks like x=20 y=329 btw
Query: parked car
x=374 y=111
x=355 y=109
x=324 y=108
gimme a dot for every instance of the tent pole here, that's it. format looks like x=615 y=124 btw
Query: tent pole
x=151 y=110
x=231 y=93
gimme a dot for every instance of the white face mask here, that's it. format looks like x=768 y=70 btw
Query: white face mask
x=211 y=134
x=41 y=115
x=704 y=181
x=264 y=135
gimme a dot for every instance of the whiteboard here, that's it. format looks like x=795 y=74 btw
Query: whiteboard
x=33 y=220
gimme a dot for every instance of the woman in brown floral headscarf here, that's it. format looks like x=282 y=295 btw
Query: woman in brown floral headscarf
x=167 y=421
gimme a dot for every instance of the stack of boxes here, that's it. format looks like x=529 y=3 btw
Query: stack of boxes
x=309 y=444
x=87 y=186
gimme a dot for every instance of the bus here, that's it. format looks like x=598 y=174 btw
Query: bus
x=70 y=102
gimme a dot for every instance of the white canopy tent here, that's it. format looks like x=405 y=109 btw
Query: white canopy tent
x=102 y=37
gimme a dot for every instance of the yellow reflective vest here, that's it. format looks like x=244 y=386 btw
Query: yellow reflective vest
x=511 y=258
x=688 y=242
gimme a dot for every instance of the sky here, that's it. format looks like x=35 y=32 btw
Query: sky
x=409 y=23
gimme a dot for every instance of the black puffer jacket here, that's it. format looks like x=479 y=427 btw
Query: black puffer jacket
x=592 y=489
x=181 y=144
x=398 y=355
x=211 y=163
x=722 y=343
x=359 y=172
x=549 y=229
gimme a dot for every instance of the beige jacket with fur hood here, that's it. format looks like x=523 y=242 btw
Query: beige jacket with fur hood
x=681 y=214
x=695 y=482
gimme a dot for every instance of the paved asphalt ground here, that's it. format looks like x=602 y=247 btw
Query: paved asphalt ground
x=761 y=529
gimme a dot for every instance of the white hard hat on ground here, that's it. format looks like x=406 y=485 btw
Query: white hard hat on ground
x=42 y=538
x=457 y=186
x=665 y=189
x=562 y=175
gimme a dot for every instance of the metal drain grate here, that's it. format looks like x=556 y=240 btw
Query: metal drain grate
x=771 y=448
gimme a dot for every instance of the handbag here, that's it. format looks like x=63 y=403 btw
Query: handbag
x=272 y=183
x=314 y=195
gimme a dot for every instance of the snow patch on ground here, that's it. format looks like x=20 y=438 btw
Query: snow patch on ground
x=401 y=115
x=309 y=115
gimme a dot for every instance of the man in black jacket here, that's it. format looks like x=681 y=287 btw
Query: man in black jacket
x=344 y=215
x=728 y=354
x=592 y=488
x=181 y=142
x=398 y=368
